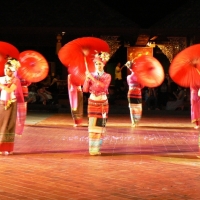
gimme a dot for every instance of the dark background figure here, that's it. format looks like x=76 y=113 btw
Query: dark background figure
x=111 y=95
x=54 y=88
x=119 y=85
x=44 y=95
x=151 y=98
x=172 y=88
x=163 y=94
x=32 y=95
x=179 y=102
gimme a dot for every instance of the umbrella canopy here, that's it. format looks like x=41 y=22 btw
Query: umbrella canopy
x=185 y=67
x=149 y=71
x=78 y=55
x=34 y=66
x=7 y=50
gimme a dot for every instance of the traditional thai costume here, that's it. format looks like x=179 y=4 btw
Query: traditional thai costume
x=134 y=98
x=97 y=109
x=8 y=108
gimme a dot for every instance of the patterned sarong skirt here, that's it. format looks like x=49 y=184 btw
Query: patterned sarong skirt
x=135 y=104
x=97 y=114
x=7 y=127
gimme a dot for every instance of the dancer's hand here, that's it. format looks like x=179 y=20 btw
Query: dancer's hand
x=2 y=86
x=199 y=92
x=89 y=75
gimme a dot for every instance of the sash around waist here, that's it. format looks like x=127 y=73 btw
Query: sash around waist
x=97 y=103
x=2 y=102
x=134 y=87
x=99 y=97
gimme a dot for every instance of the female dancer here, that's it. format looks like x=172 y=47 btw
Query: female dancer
x=76 y=102
x=10 y=91
x=195 y=105
x=97 y=84
x=134 y=96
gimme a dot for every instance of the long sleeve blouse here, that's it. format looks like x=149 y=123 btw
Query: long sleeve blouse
x=98 y=86
x=132 y=81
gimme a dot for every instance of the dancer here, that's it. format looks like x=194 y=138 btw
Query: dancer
x=134 y=96
x=97 y=84
x=76 y=102
x=195 y=105
x=11 y=90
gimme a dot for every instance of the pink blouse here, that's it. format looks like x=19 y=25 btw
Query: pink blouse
x=99 y=86
x=18 y=94
x=132 y=81
x=195 y=103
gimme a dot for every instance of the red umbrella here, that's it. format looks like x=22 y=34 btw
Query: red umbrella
x=149 y=71
x=185 y=67
x=78 y=55
x=34 y=66
x=7 y=50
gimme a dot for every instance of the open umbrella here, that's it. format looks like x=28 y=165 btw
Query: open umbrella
x=185 y=67
x=149 y=71
x=78 y=55
x=34 y=66
x=7 y=50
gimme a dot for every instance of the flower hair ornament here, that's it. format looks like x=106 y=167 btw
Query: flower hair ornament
x=12 y=64
x=129 y=64
x=102 y=57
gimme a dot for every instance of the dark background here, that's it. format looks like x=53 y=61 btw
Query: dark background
x=145 y=13
x=33 y=13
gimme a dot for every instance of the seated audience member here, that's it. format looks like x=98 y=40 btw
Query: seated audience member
x=151 y=98
x=163 y=94
x=53 y=88
x=32 y=95
x=45 y=96
x=180 y=95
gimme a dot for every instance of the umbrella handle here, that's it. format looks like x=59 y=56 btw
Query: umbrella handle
x=86 y=65
x=198 y=71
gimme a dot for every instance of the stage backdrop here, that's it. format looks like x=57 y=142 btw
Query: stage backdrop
x=133 y=52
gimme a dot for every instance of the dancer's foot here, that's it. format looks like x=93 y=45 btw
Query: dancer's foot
x=95 y=154
x=196 y=127
x=133 y=125
x=4 y=153
x=76 y=125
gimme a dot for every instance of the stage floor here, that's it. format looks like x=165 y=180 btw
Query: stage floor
x=158 y=160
